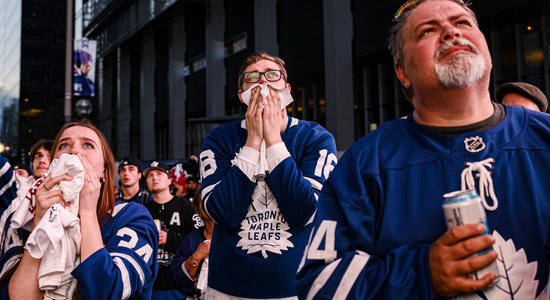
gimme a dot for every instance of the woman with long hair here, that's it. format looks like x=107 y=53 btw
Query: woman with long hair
x=119 y=241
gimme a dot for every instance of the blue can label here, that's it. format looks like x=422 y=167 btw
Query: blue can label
x=464 y=207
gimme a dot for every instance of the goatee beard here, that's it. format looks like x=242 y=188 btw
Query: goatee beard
x=462 y=69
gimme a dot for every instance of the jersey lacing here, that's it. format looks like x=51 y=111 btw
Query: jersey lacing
x=485 y=181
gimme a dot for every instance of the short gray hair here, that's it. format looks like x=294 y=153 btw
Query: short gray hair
x=395 y=39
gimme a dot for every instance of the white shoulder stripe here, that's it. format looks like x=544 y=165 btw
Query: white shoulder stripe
x=122 y=267
x=355 y=267
x=118 y=208
x=205 y=195
x=314 y=183
x=126 y=287
x=12 y=179
x=293 y=122
x=5 y=168
x=322 y=279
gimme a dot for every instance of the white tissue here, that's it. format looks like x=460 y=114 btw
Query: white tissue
x=284 y=94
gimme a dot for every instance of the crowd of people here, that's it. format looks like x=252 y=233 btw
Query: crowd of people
x=268 y=211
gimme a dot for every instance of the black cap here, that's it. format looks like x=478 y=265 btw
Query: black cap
x=130 y=161
x=21 y=167
x=155 y=165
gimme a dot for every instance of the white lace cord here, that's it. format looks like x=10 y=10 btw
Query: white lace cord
x=485 y=181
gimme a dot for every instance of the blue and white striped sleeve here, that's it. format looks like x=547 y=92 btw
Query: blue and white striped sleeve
x=8 y=186
x=127 y=266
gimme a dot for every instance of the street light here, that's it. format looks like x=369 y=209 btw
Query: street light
x=83 y=108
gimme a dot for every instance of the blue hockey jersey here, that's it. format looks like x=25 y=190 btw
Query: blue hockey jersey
x=127 y=265
x=382 y=208
x=8 y=187
x=262 y=225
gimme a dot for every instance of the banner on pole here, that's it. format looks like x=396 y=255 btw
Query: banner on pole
x=84 y=67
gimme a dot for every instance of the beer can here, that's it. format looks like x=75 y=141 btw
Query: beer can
x=464 y=207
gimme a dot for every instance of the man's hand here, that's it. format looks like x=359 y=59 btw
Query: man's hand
x=254 y=122
x=273 y=118
x=452 y=257
x=163 y=235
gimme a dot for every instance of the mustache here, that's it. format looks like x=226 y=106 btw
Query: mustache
x=456 y=42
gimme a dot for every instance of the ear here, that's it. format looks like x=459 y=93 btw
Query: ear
x=288 y=87
x=402 y=75
x=240 y=93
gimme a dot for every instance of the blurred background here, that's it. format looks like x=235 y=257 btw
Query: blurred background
x=157 y=75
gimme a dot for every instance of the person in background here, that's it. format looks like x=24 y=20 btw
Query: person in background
x=260 y=178
x=189 y=269
x=522 y=94
x=192 y=187
x=129 y=171
x=380 y=230
x=175 y=218
x=21 y=171
x=178 y=175
x=192 y=166
x=40 y=156
x=118 y=240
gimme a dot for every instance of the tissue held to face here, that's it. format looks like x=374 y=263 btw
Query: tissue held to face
x=259 y=74
x=284 y=94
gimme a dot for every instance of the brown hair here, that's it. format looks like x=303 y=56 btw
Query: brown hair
x=257 y=56
x=106 y=201
x=395 y=39
x=46 y=144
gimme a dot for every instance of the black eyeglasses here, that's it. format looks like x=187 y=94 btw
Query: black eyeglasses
x=411 y=4
x=254 y=76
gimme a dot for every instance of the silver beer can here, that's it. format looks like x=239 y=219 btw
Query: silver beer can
x=464 y=207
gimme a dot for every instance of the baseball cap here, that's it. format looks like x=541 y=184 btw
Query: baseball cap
x=130 y=161
x=21 y=167
x=525 y=89
x=155 y=165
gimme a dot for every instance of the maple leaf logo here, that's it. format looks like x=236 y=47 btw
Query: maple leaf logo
x=517 y=278
x=264 y=228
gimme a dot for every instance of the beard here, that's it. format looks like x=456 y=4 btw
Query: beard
x=462 y=69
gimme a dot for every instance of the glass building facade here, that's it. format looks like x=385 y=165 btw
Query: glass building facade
x=32 y=58
x=168 y=69
x=10 y=74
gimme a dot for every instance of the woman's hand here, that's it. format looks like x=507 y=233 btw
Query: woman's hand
x=45 y=197
x=89 y=195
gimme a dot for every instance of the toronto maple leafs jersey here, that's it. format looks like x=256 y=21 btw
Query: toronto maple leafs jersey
x=8 y=186
x=382 y=208
x=262 y=223
x=125 y=268
x=127 y=265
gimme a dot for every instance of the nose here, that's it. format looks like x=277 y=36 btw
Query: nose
x=262 y=78
x=450 y=32
x=76 y=149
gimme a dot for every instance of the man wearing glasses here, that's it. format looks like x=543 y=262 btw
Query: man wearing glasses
x=260 y=181
x=380 y=231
